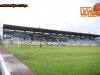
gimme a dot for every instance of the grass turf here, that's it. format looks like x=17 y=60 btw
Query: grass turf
x=59 y=60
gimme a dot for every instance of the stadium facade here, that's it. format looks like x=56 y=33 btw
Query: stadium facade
x=33 y=36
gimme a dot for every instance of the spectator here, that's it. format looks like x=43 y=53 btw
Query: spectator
x=40 y=44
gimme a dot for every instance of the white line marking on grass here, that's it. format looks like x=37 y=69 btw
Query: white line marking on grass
x=30 y=52
x=74 y=57
x=82 y=56
x=78 y=66
x=58 y=58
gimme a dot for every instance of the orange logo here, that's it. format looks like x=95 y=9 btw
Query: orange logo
x=90 y=11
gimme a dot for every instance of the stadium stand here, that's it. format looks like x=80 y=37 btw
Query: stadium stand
x=32 y=36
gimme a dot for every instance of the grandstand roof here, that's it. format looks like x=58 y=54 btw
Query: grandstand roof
x=14 y=27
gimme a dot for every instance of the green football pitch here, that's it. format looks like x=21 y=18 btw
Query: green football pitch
x=59 y=60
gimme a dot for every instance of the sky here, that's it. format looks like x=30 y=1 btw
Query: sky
x=50 y=14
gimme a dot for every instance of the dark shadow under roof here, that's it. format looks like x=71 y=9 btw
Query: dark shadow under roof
x=15 y=27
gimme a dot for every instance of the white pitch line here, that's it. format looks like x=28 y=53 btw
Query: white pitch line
x=78 y=66
x=74 y=57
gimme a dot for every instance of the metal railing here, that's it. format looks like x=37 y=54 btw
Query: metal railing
x=3 y=67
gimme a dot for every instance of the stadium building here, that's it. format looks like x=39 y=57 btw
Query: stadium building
x=33 y=36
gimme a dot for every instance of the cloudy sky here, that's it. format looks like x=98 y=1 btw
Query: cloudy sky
x=51 y=14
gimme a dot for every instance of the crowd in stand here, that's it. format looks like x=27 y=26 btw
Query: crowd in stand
x=30 y=37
